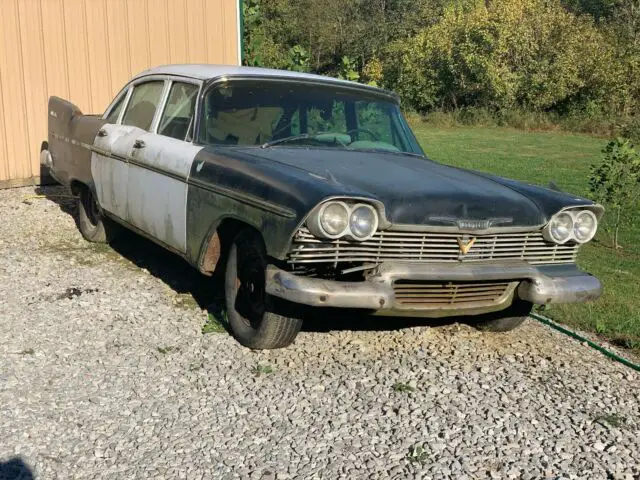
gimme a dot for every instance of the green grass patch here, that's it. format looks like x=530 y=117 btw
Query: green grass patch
x=562 y=158
x=262 y=370
x=214 y=324
x=401 y=387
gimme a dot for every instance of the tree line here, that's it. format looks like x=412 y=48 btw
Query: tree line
x=564 y=57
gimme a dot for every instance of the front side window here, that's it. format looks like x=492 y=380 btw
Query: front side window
x=142 y=105
x=177 y=118
x=294 y=114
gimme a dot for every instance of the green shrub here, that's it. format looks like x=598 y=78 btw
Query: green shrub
x=616 y=182
x=506 y=54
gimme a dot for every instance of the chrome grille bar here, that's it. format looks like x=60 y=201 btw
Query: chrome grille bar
x=429 y=247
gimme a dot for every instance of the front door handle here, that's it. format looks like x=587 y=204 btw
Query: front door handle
x=102 y=132
x=138 y=144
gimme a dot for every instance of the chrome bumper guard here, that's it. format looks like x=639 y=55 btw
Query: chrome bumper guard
x=542 y=284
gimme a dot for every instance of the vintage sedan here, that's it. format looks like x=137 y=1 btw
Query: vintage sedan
x=311 y=191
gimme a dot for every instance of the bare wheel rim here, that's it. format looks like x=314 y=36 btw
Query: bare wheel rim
x=250 y=286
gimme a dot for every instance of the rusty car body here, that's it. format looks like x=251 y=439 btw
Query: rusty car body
x=308 y=190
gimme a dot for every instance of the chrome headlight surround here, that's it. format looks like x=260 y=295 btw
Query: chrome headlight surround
x=565 y=225
x=354 y=213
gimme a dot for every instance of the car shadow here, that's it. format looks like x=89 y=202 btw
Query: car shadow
x=208 y=292
x=15 y=469
x=61 y=196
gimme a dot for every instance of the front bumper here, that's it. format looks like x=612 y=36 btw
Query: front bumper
x=536 y=284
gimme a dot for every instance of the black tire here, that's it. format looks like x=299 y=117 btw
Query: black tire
x=93 y=225
x=504 y=320
x=250 y=310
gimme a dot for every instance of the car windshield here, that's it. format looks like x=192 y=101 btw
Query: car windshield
x=283 y=113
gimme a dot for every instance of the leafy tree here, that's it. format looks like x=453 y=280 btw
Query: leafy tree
x=616 y=182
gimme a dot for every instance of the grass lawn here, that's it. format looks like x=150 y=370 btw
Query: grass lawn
x=564 y=159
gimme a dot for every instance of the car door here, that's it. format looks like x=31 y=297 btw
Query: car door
x=109 y=173
x=159 y=168
x=115 y=144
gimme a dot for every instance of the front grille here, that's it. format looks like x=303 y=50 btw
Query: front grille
x=413 y=293
x=429 y=247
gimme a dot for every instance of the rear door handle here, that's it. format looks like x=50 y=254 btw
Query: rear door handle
x=102 y=132
x=138 y=144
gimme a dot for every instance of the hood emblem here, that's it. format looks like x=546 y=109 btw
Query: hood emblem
x=467 y=224
x=465 y=246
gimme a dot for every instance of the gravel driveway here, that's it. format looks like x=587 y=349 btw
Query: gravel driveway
x=105 y=373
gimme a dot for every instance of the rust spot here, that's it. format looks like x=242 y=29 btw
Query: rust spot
x=323 y=298
x=211 y=255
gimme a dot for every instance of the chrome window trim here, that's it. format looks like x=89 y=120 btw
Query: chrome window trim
x=175 y=79
x=160 y=106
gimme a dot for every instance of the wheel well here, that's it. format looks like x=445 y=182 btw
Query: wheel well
x=76 y=187
x=219 y=242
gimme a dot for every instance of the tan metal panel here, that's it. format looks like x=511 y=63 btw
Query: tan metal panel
x=75 y=25
x=35 y=80
x=119 y=49
x=85 y=51
x=55 y=48
x=13 y=92
x=213 y=33
x=4 y=167
x=98 y=56
x=230 y=31
x=196 y=32
x=138 y=26
x=177 y=28
x=158 y=15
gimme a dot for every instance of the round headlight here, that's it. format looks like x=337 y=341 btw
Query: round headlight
x=334 y=219
x=363 y=222
x=585 y=225
x=561 y=227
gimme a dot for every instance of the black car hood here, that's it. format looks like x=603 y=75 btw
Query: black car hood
x=416 y=190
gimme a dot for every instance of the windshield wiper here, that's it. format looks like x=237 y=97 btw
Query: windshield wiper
x=301 y=136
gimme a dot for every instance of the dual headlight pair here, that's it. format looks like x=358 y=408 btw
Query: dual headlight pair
x=337 y=219
x=577 y=225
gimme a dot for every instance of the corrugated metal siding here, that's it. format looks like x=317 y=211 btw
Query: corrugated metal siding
x=86 y=50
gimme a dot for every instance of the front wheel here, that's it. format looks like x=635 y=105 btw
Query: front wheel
x=93 y=225
x=250 y=309
x=504 y=320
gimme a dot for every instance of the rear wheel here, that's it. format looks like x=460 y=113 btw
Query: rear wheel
x=251 y=311
x=93 y=225
x=504 y=320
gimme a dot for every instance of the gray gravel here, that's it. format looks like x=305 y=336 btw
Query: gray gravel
x=105 y=374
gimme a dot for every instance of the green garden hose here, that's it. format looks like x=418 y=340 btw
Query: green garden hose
x=608 y=353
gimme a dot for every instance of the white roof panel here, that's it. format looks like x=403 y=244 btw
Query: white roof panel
x=206 y=72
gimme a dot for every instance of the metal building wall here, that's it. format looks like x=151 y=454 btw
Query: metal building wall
x=85 y=51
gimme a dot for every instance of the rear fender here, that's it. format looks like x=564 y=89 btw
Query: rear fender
x=71 y=137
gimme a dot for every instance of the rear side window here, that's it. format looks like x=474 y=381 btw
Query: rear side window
x=177 y=118
x=115 y=111
x=143 y=103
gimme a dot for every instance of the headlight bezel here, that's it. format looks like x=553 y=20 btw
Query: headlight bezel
x=573 y=213
x=315 y=226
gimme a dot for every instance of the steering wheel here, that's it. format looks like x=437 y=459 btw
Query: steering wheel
x=365 y=130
